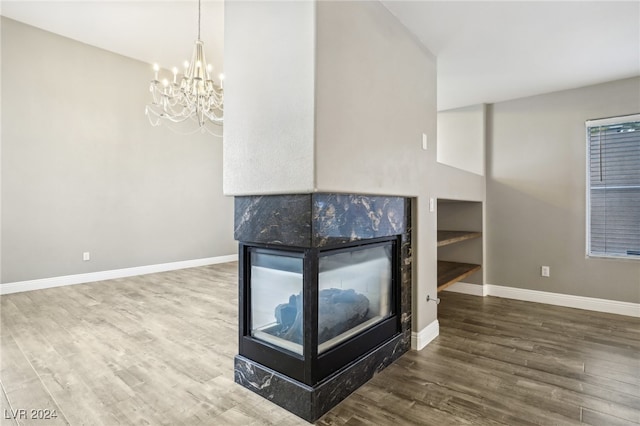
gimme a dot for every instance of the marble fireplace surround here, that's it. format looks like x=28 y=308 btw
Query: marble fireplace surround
x=323 y=220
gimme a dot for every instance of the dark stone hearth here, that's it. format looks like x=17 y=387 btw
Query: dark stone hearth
x=311 y=402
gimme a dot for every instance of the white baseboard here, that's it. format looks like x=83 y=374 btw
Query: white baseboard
x=466 y=288
x=423 y=337
x=566 y=300
x=557 y=299
x=20 y=286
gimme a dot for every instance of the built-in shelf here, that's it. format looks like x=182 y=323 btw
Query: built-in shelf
x=459 y=252
x=450 y=273
x=451 y=237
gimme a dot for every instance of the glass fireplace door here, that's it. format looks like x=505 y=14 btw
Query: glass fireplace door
x=308 y=313
x=354 y=293
x=276 y=300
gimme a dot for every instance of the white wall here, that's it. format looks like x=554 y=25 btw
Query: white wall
x=536 y=189
x=83 y=170
x=269 y=97
x=461 y=138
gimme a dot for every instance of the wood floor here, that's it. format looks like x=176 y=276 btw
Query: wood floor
x=159 y=349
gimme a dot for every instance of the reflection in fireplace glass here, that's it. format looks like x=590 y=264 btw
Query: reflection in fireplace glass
x=276 y=300
x=354 y=293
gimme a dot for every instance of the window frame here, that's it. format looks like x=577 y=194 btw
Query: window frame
x=588 y=124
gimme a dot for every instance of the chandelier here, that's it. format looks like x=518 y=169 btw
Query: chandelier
x=192 y=98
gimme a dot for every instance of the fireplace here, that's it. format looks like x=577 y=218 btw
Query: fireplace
x=324 y=295
x=309 y=324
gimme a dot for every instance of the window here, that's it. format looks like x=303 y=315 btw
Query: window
x=613 y=187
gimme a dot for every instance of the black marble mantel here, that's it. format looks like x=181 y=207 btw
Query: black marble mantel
x=324 y=220
x=318 y=220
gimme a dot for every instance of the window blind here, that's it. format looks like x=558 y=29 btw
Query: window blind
x=614 y=187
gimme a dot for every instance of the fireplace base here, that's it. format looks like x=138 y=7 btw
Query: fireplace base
x=312 y=402
x=299 y=233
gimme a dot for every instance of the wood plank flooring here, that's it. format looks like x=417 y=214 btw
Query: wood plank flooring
x=158 y=350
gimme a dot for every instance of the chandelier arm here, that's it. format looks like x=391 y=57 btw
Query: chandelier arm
x=169 y=113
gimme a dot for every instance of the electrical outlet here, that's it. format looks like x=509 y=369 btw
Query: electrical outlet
x=545 y=271
x=424 y=141
x=86 y=256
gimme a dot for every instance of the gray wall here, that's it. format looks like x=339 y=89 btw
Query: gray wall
x=375 y=96
x=536 y=193
x=82 y=169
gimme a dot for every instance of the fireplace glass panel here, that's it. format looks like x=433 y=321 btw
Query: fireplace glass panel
x=355 y=293
x=276 y=300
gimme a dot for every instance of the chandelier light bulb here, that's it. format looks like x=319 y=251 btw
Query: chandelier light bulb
x=156 y=68
x=186 y=64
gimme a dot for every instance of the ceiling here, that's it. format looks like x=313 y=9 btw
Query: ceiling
x=488 y=51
